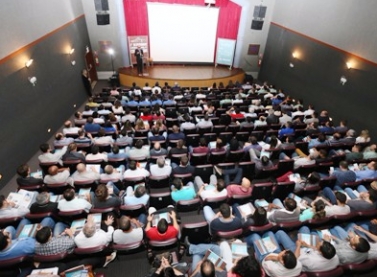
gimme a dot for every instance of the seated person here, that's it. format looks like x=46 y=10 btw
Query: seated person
x=370 y=152
x=182 y=192
x=9 y=209
x=116 y=154
x=103 y=139
x=336 y=203
x=101 y=198
x=165 y=269
x=138 y=150
x=365 y=230
x=343 y=174
x=111 y=174
x=136 y=197
x=58 y=175
x=49 y=243
x=130 y=230
x=161 y=168
x=89 y=236
x=244 y=189
x=366 y=200
x=24 y=178
x=82 y=174
x=184 y=167
x=207 y=268
x=43 y=204
x=314 y=258
x=301 y=182
x=258 y=218
x=223 y=221
x=73 y=154
x=261 y=163
x=134 y=170
x=279 y=262
x=277 y=212
x=157 y=150
x=202 y=148
x=96 y=155
x=73 y=203
x=216 y=187
x=350 y=248
x=369 y=171
x=48 y=157
x=83 y=137
x=61 y=140
x=163 y=230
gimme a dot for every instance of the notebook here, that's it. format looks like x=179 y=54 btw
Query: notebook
x=29 y=230
x=83 y=192
x=239 y=250
x=265 y=245
x=309 y=239
x=215 y=259
x=246 y=209
x=158 y=217
x=22 y=198
x=261 y=203
x=78 y=224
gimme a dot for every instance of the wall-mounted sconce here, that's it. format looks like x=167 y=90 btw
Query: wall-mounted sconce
x=33 y=80
x=349 y=65
x=28 y=63
x=291 y=65
x=343 y=80
x=295 y=55
x=111 y=52
x=73 y=62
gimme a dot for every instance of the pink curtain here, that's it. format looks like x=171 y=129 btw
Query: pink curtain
x=137 y=17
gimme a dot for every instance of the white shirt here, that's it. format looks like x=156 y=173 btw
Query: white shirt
x=99 y=238
x=210 y=193
x=74 y=205
x=158 y=171
x=121 y=237
x=276 y=269
x=138 y=172
x=337 y=210
x=52 y=157
x=60 y=177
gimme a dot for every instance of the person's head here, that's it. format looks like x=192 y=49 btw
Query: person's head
x=359 y=244
x=89 y=228
x=177 y=183
x=340 y=197
x=180 y=144
x=265 y=160
x=327 y=249
x=53 y=170
x=202 y=142
x=207 y=269
x=69 y=194
x=259 y=216
x=220 y=185
x=246 y=267
x=364 y=134
x=350 y=133
x=225 y=210
x=175 y=129
x=95 y=149
x=124 y=223
x=343 y=165
x=372 y=165
x=45 y=147
x=162 y=226
x=319 y=207
x=115 y=149
x=288 y=259
x=132 y=165
x=3 y=201
x=23 y=170
x=109 y=169
x=184 y=161
x=72 y=147
x=160 y=162
x=245 y=183
x=59 y=136
x=157 y=146
x=290 y=204
x=42 y=198
x=101 y=192
x=43 y=235
x=139 y=191
x=313 y=178
x=139 y=144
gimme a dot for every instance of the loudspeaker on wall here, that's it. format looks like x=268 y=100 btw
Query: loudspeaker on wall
x=257 y=24
x=103 y=19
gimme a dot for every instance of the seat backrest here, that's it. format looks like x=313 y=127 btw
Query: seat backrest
x=197 y=232
x=283 y=189
x=229 y=234
x=89 y=250
x=262 y=191
x=188 y=205
x=49 y=258
x=204 y=171
x=159 y=181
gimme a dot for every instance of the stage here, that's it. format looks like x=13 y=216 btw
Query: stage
x=185 y=75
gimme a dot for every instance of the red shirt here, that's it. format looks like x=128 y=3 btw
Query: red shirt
x=146 y=117
x=153 y=234
x=236 y=115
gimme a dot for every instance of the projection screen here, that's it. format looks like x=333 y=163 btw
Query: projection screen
x=182 y=33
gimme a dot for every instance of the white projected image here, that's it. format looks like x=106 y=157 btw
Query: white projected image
x=182 y=33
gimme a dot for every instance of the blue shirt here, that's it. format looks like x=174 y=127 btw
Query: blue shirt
x=185 y=193
x=19 y=247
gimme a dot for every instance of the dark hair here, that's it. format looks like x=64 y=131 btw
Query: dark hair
x=162 y=226
x=363 y=246
x=319 y=207
x=265 y=160
x=289 y=259
x=290 y=204
x=220 y=185
x=2 y=199
x=225 y=210
x=69 y=194
x=313 y=178
x=23 y=170
x=341 y=197
x=327 y=249
x=95 y=149
x=43 y=234
x=177 y=182
x=139 y=144
x=44 y=147
x=139 y=191
x=3 y=241
x=260 y=216
x=124 y=223
x=246 y=267
x=132 y=165
x=115 y=149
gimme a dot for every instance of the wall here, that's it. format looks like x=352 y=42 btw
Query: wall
x=27 y=111
x=316 y=74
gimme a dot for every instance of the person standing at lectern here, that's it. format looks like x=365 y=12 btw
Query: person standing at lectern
x=87 y=82
x=139 y=59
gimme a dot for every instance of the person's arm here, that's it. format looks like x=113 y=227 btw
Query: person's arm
x=272 y=257
x=149 y=223
x=173 y=217
x=369 y=234
x=197 y=269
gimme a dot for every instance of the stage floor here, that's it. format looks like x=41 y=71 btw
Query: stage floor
x=185 y=75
